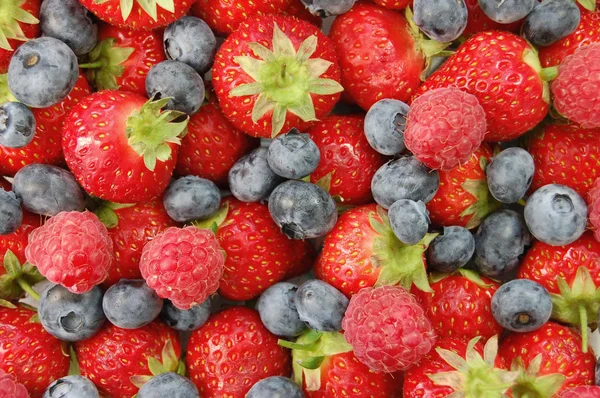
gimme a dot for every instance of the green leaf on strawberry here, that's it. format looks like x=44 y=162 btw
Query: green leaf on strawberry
x=11 y=14
x=589 y=5
x=5 y=94
x=529 y=384
x=18 y=278
x=106 y=63
x=74 y=363
x=215 y=220
x=169 y=363
x=483 y=205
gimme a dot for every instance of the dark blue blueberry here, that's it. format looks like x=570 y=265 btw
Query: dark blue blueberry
x=510 y=174
x=404 y=178
x=17 y=125
x=409 y=220
x=521 y=305
x=48 y=190
x=185 y=320
x=321 y=305
x=71 y=387
x=551 y=21
x=275 y=387
x=278 y=311
x=441 y=20
x=506 y=11
x=11 y=214
x=191 y=41
x=384 y=126
x=178 y=81
x=251 y=179
x=302 y=210
x=69 y=316
x=191 y=198
x=42 y=72
x=556 y=215
x=452 y=250
x=293 y=155
x=131 y=304
x=70 y=22
x=168 y=385
x=326 y=8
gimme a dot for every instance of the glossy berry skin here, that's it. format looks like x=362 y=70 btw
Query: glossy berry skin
x=443 y=21
x=505 y=12
x=594 y=209
x=393 y=4
x=131 y=304
x=10 y=387
x=180 y=82
x=30 y=29
x=582 y=392
x=452 y=250
x=275 y=387
x=234 y=346
x=384 y=126
x=168 y=383
x=521 y=305
x=293 y=155
x=409 y=220
x=69 y=21
x=31 y=353
x=321 y=306
x=72 y=387
x=17 y=125
x=551 y=21
x=510 y=174
x=191 y=198
x=251 y=179
x=278 y=311
x=72 y=249
x=18 y=240
x=185 y=320
x=190 y=40
x=11 y=214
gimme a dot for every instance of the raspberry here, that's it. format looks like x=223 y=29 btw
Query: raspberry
x=444 y=127
x=10 y=388
x=577 y=86
x=582 y=392
x=183 y=265
x=387 y=328
x=72 y=249
x=594 y=208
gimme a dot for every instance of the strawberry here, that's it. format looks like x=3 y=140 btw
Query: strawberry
x=504 y=73
x=17 y=241
x=463 y=198
x=348 y=162
x=138 y=14
x=304 y=259
x=120 y=147
x=362 y=251
x=479 y=22
x=275 y=73
x=28 y=351
x=18 y=23
x=298 y=9
x=232 y=351
x=394 y=4
x=122 y=58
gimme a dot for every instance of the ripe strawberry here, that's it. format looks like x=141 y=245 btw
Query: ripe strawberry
x=10 y=387
x=503 y=72
x=304 y=254
x=460 y=305
x=29 y=352
x=479 y=22
x=112 y=154
x=298 y=9
x=463 y=198
x=46 y=144
x=17 y=241
x=138 y=14
x=112 y=358
x=19 y=23
x=122 y=58
x=393 y=4
x=275 y=73
x=348 y=162
x=362 y=251
x=232 y=351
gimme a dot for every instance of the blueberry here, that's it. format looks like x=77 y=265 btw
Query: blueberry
x=251 y=179
x=191 y=198
x=71 y=387
x=441 y=20
x=556 y=215
x=275 y=387
x=69 y=316
x=168 y=383
x=321 y=305
x=48 y=190
x=302 y=210
x=510 y=174
x=70 y=22
x=500 y=240
x=191 y=41
x=11 y=214
x=551 y=21
x=185 y=320
x=384 y=126
x=452 y=250
x=178 y=81
x=293 y=155
x=326 y=8
x=131 y=304
x=506 y=11
x=278 y=311
x=17 y=125
x=409 y=220
x=521 y=305
x=404 y=178
x=42 y=72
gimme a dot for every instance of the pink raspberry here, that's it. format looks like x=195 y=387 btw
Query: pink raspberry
x=72 y=249
x=387 y=328
x=183 y=265
x=577 y=86
x=594 y=208
x=444 y=127
x=10 y=388
x=582 y=392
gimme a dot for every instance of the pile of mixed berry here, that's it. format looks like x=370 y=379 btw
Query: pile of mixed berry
x=299 y=198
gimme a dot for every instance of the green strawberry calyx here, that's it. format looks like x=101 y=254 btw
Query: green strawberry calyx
x=169 y=363
x=5 y=94
x=399 y=263
x=531 y=58
x=105 y=211
x=468 y=274
x=106 y=63
x=589 y=5
x=484 y=203
x=529 y=385
x=475 y=376
x=285 y=79
x=11 y=15
x=149 y=6
x=311 y=352
x=18 y=278
x=215 y=220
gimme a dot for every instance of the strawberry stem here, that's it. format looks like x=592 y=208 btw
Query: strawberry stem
x=91 y=65
x=25 y=286
x=583 y=318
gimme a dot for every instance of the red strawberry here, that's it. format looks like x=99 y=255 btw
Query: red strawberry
x=362 y=250
x=122 y=58
x=17 y=241
x=111 y=358
x=28 y=351
x=275 y=73
x=304 y=259
x=112 y=153
x=138 y=14
x=348 y=162
x=393 y=4
x=463 y=198
x=232 y=351
x=19 y=23
x=503 y=72
x=298 y=9
x=479 y=22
